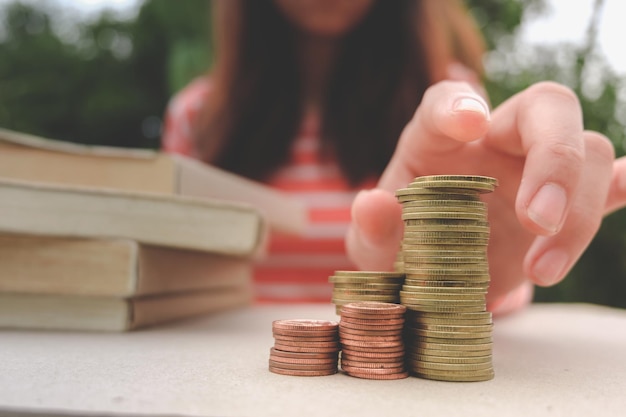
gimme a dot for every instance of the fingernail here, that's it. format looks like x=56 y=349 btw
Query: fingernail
x=548 y=207
x=470 y=104
x=550 y=267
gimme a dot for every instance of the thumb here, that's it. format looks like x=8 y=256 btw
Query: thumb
x=373 y=238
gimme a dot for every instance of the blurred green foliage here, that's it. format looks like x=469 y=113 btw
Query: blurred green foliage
x=108 y=81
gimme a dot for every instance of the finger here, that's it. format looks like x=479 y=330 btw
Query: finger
x=459 y=72
x=544 y=125
x=451 y=114
x=374 y=235
x=617 y=189
x=550 y=258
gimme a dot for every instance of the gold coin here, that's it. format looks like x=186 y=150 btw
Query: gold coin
x=444 y=203
x=443 y=290
x=445 y=353
x=447 y=271
x=477 y=186
x=344 y=298
x=368 y=274
x=436 y=308
x=415 y=299
x=416 y=234
x=450 y=359
x=366 y=280
x=408 y=217
x=437 y=252
x=448 y=341
x=452 y=367
x=482 y=315
x=471 y=178
x=367 y=286
x=453 y=346
x=356 y=292
x=454 y=328
x=442 y=296
x=451 y=335
x=415 y=193
x=454 y=260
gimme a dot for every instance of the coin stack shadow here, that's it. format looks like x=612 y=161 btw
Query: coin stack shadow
x=352 y=286
x=444 y=251
x=372 y=341
x=304 y=347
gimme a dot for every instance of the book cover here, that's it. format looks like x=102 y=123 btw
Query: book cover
x=156 y=219
x=32 y=264
x=32 y=158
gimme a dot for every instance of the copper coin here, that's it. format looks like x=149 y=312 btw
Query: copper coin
x=366 y=316
x=372 y=355
x=400 y=375
x=376 y=371
x=359 y=332
x=398 y=347
x=292 y=343
x=306 y=339
x=355 y=338
x=307 y=349
x=304 y=355
x=282 y=359
x=303 y=367
x=373 y=345
x=374 y=307
x=293 y=372
x=372 y=365
x=296 y=333
x=371 y=327
x=358 y=358
x=304 y=325
x=374 y=321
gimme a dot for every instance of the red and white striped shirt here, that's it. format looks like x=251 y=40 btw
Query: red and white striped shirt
x=297 y=267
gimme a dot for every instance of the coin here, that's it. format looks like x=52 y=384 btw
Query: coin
x=303 y=367
x=305 y=325
x=282 y=359
x=451 y=359
x=294 y=372
x=372 y=365
x=371 y=274
x=374 y=308
x=472 y=178
x=301 y=355
x=368 y=375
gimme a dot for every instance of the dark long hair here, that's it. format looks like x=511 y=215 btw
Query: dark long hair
x=384 y=67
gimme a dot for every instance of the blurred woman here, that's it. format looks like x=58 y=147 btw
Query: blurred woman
x=324 y=98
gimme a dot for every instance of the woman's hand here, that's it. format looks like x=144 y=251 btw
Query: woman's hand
x=554 y=181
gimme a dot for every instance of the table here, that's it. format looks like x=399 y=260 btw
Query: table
x=550 y=360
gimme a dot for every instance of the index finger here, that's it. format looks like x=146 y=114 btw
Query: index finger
x=450 y=115
x=544 y=125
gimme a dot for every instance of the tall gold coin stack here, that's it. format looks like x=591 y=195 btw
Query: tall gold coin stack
x=372 y=341
x=352 y=286
x=305 y=347
x=447 y=275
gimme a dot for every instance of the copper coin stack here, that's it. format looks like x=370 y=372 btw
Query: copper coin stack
x=304 y=347
x=447 y=275
x=352 y=286
x=371 y=340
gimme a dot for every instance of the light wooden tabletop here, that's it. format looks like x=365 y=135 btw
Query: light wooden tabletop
x=550 y=360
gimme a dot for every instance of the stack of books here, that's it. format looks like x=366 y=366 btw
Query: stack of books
x=108 y=239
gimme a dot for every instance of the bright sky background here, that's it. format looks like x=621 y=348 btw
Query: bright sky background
x=566 y=21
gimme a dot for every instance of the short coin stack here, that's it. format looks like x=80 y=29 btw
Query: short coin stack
x=371 y=339
x=447 y=275
x=351 y=286
x=304 y=347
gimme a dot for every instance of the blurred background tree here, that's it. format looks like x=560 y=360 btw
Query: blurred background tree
x=108 y=80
